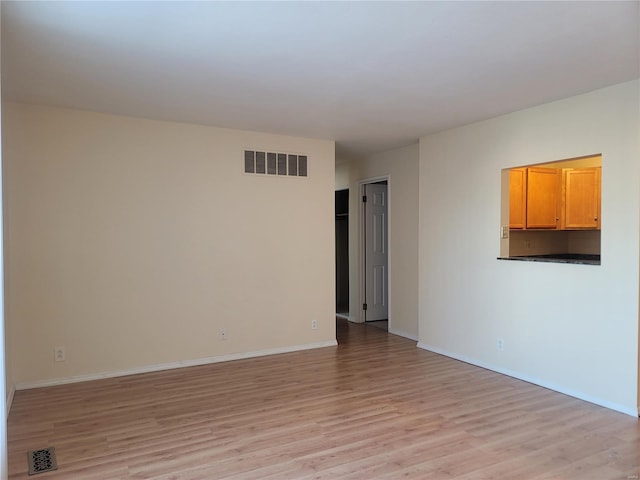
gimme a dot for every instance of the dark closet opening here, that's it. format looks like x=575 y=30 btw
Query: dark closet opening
x=342 y=252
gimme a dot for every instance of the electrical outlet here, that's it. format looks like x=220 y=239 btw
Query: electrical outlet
x=527 y=244
x=222 y=334
x=314 y=324
x=504 y=231
x=59 y=354
x=500 y=344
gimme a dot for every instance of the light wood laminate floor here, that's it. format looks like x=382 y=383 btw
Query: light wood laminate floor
x=373 y=407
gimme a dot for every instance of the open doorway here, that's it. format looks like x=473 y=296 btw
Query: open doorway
x=342 y=253
x=375 y=248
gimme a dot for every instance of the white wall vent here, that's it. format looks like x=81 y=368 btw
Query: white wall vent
x=275 y=163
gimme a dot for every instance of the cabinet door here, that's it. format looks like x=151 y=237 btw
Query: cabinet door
x=543 y=197
x=581 y=192
x=517 y=198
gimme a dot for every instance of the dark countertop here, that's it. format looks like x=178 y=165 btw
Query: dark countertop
x=558 y=258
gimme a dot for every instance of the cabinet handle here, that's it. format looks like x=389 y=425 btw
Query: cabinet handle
x=595 y=218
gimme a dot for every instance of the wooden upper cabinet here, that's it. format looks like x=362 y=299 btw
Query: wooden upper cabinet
x=543 y=197
x=554 y=198
x=518 y=198
x=581 y=198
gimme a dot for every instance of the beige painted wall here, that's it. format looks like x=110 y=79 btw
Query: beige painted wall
x=6 y=378
x=131 y=242
x=573 y=328
x=401 y=166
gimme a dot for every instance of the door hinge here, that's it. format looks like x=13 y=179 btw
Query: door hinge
x=364 y=199
x=364 y=306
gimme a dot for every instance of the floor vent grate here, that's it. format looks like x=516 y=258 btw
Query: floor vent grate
x=41 y=461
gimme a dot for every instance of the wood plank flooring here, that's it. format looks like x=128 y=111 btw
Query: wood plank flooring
x=375 y=406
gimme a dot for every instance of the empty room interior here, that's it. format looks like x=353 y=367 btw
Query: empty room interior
x=317 y=240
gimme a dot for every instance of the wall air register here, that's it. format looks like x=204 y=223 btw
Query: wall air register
x=275 y=163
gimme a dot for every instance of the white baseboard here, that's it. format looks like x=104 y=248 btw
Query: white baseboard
x=536 y=381
x=400 y=333
x=172 y=365
x=10 y=394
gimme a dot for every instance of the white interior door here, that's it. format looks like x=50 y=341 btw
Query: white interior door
x=376 y=252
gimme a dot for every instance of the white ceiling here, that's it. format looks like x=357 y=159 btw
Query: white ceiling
x=370 y=75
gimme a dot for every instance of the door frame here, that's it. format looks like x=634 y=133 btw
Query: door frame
x=362 y=246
